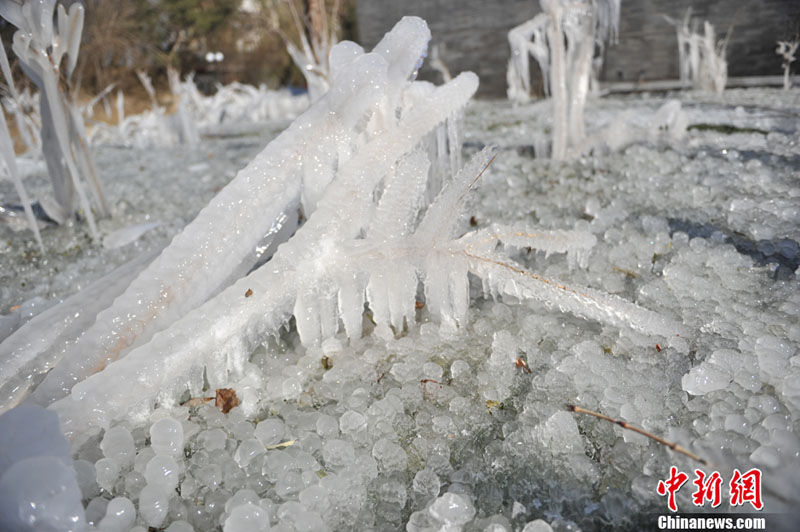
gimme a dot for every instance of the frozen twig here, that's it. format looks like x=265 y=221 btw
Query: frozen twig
x=627 y=426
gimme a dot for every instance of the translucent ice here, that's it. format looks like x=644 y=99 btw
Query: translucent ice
x=247 y=518
x=120 y=516
x=162 y=471
x=453 y=509
x=117 y=444
x=107 y=473
x=270 y=431
x=355 y=177
x=40 y=494
x=153 y=505
x=166 y=437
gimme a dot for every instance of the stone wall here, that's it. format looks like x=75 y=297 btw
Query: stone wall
x=474 y=33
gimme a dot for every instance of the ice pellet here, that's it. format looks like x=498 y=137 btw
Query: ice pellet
x=153 y=505
x=162 y=471
x=118 y=445
x=247 y=518
x=270 y=431
x=453 y=509
x=120 y=516
x=166 y=437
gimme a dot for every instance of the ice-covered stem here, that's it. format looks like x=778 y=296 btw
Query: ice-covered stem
x=188 y=129
x=687 y=47
x=10 y=161
x=42 y=48
x=437 y=62
x=37 y=346
x=579 y=27
x=627 y=426
x=296 y=280
x=558 y=77
x=7 y=149
x=258 y=209
x=24 y=126
x=787 y=49
x=701 y=58
x=713 y=74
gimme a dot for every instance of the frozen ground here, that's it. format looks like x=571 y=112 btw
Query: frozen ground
x=422 y=431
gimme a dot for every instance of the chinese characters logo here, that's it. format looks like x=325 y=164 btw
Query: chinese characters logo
x=742 y=488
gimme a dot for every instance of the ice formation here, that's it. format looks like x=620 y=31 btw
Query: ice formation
x=701 y=58
x=41 y=46
x=309 y=153
x=231 y=110
x=355 y=246
x=317 y=35
x=565 y=37
x=787 y=49
x=408 y=424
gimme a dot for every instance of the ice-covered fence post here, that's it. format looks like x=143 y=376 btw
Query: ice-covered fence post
x=40 y=46
x=787 y=49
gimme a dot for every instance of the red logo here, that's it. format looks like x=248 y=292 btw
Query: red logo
x=744 y=487
x=671 y=486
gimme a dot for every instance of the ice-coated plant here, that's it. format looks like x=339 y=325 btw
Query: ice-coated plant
x=48 y=52
x=567 y=40
x=358 y=163
x=701 y=58
x=372 y=115
x=316 y=36
x=7 y=147
x=231 y=107
x=787 y=49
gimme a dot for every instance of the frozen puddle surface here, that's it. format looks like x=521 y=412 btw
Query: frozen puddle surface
x=424 y=432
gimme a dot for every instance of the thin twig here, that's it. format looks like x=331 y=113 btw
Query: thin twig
x=625 y=425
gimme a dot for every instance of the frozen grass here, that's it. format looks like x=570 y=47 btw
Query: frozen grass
x=423 y=430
